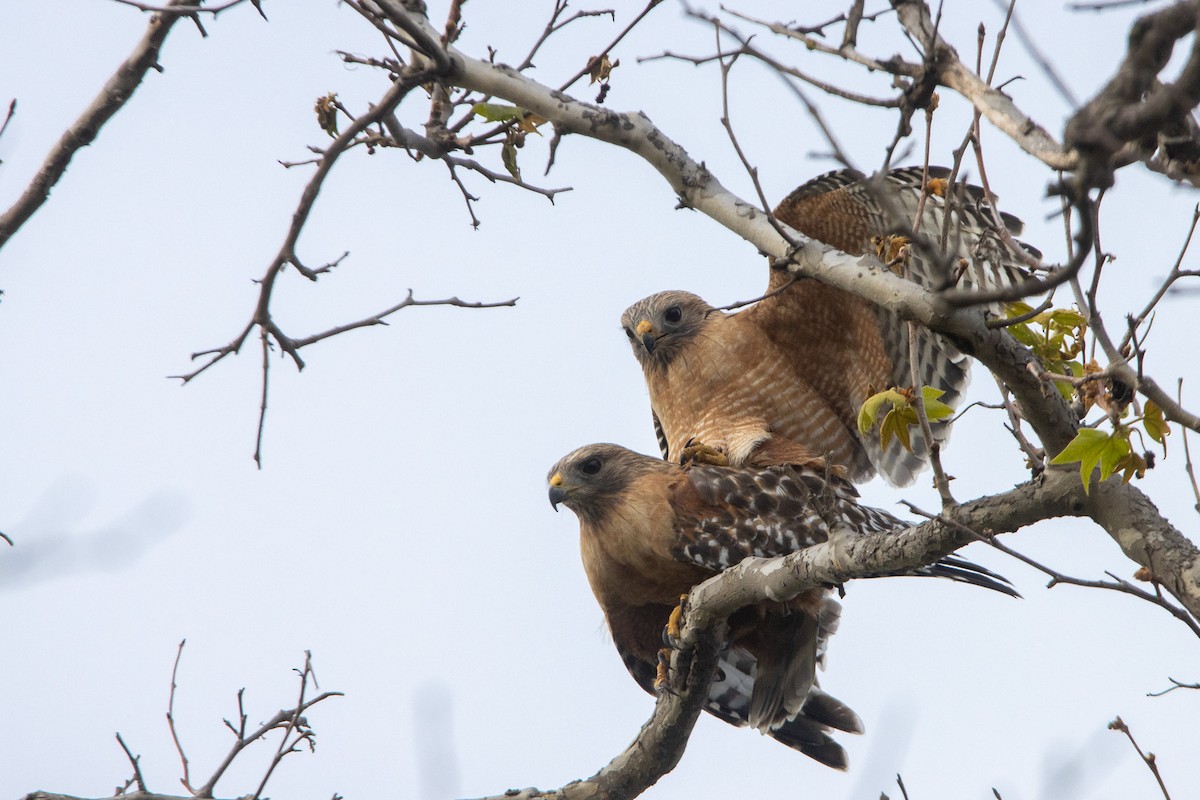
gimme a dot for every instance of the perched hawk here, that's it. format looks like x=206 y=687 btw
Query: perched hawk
x=650 y=530
x=798 y=364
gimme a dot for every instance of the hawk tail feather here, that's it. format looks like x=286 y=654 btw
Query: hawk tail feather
x=963 y=571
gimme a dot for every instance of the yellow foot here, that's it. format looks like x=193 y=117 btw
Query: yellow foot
x=893 y=251
x=671 y=634
x=662 y=677
x=675 y=622
x=700 y=453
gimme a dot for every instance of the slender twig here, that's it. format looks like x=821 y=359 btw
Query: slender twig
x=1176 y=685
x=112 y=98
x=295 y=724
x=137 y=768
x=1176 y=273
x=1056 y=577
x=186 y=779
x=380 y=318
x=1148 y=758
x=747 y=49
x=12 y=109
x=1004 y=322
x=1187 y=455
x=940 y=481
x=1038 y=56
x=288 y=720
x=1032 y=286
x=650 y=6
x=742 y=303
x=262 y=403
x=751 y=170
x=1036 y=455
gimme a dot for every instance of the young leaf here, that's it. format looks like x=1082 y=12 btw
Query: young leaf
x=1091 y=447
x=935 y=409
x=1155 y=425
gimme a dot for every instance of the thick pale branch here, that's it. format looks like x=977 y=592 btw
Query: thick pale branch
x=1121 y=509
x=116 y=93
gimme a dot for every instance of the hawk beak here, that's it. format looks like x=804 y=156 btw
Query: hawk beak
x=557 y=492
x=646 y=331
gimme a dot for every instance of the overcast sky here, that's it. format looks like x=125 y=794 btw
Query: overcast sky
x=399 y=529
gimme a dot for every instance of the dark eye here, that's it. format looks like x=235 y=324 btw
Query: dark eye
x=591 y=466
x=629 y=333
x=673 y=315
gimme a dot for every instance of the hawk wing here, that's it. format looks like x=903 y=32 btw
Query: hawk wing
x=847 y=210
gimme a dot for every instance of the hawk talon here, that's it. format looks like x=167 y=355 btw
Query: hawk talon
x=700 y=453
x=662 y=674
x=893 y=250
x=674 y=627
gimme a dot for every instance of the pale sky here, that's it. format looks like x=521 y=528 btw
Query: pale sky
x=400 y=528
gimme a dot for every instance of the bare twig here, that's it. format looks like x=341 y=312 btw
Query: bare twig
x=262 y=404
x=1056 y=577
x=381 y=317
x=1176 y=273
x=112 y=98
x=138 y=778
x=1038 y=56
x=940 y=481
x=650 y=6
x=1187 y=455
x=1175 y=685
x=12 y=109
x=186 y=779
x=290 y=721
x=742 y=303
x=1148 y=758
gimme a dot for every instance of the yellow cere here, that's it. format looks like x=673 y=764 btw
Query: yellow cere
x=556 y=479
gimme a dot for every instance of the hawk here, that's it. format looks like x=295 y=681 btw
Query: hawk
x=650 y=530
x=798 y=364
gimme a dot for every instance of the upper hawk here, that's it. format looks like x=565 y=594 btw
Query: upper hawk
x=798 y=364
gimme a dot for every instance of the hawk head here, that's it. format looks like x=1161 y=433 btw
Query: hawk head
x=661 y=325
x=593 y=479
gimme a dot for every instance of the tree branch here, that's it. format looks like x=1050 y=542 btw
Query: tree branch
x=83 y=131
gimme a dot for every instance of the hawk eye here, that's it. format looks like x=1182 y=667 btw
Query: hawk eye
x=673 y=314
x=629 y=333
x=591 y=466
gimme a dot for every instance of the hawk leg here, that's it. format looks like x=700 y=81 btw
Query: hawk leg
x=662 y=677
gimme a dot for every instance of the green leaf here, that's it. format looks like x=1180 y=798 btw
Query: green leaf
x=869 y=412
x=935 y=409
x=1115 y=450
x=508 y=154
x=1155 y=425
x=1067 y=319
x=1091 y=447
x=895 y=424
x=496 y=112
